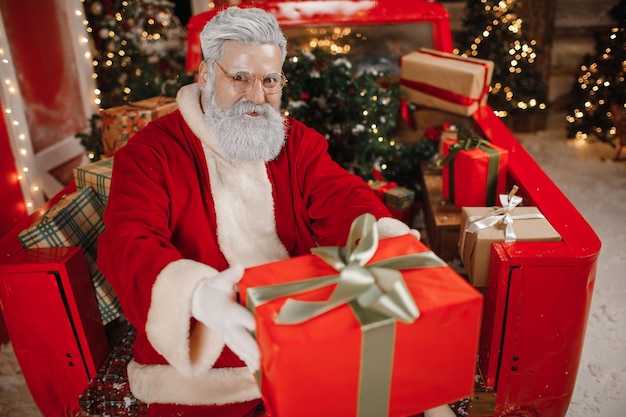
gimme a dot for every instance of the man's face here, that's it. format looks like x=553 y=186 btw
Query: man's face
x=247 y=124
x=259 y=60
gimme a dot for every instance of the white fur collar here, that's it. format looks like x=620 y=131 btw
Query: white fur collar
x=242 y=195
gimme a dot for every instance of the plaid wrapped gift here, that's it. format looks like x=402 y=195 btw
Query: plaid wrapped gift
x=446 y=81
x=399 y=198
x=76 y=220
x=122 y=122
x=96 y=175
x=482 y=226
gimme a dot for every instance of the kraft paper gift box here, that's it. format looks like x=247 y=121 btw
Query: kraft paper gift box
x=96 y=175
x=446 y=81
x=473 y=174
x=122 y=122
x=482 y=226
x=76 y=220
x=352 y=360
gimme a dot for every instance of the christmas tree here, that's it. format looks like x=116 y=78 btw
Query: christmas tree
x=356 y=113
x=492 y=30
x=600 y=83
x=139 y=49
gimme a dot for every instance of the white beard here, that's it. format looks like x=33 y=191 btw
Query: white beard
x=244 y=138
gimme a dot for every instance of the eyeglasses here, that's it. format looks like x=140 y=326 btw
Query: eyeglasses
x=243 y=81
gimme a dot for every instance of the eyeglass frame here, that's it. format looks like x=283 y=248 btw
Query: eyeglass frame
x=231 y=78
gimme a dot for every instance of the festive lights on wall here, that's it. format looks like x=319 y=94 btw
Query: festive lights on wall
x=30 y=177
x=78 y=27
x=17 y=128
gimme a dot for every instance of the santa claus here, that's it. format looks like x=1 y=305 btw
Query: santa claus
x=224 y=183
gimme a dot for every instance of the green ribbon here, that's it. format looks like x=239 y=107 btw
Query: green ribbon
x=467 y=141
x=377 y=295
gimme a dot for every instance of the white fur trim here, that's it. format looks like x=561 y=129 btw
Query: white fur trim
x=390 y=227
x=163 y=384
x=167 y=326
x=244 y=207
x=188 y=101
x=242 y=195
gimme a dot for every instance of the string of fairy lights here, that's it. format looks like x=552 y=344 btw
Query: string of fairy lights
x=27 y=174
x=79 y=27
x=17 y=128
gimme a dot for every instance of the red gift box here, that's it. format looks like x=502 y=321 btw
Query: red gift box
x=337 y=364
x=474 y=177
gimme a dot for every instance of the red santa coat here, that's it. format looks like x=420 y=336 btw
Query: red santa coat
x=177 y=205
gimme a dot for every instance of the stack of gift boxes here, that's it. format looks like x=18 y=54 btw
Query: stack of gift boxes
x=474 y=171
x=76 y=220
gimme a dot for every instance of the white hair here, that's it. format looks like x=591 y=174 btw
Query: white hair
x=250 y=26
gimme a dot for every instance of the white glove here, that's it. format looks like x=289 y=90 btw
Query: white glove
x=214 y=305
x=390 y=227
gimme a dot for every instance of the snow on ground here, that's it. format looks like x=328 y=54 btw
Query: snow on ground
x=596 y=186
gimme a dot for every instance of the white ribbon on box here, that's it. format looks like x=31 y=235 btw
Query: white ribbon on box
x=500 y=214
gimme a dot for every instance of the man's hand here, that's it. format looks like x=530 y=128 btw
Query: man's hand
x=214 y=305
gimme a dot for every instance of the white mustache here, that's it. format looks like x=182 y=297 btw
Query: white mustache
x=244 y=107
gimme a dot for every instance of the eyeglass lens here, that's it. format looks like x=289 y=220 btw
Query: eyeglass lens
x=244 y=80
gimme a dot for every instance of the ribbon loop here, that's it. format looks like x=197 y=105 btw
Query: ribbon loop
x=500 y=215
x=466 y=141
x=362 y=240
x=378 y=287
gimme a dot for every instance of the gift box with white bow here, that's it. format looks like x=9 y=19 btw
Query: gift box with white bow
x=482 y=226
